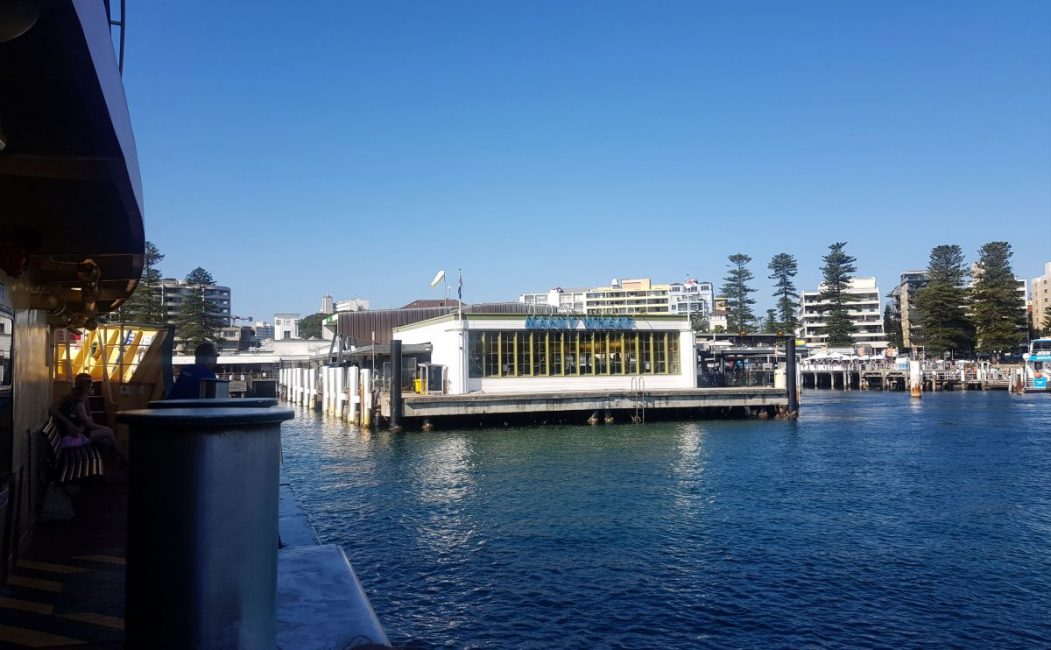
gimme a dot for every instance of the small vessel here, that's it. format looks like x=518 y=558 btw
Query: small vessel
x=1037 y=366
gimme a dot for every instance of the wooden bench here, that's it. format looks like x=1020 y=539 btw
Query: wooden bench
x=70 y=463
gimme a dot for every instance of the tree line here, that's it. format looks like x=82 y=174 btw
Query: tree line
x=986 y=316
x=196 y=319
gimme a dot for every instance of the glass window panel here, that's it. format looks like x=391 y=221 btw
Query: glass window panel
x=539 y=353
x=646 y=341
x=507 y=345
x=660 y=352
x=673 y=353
x=616 y=353
x=555 y=350
x=525 y=366
x=600 y=352
x=476 y=354
x=586 y=350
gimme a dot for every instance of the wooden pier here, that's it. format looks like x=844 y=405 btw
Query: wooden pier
x=893 y=379
x=586 y=406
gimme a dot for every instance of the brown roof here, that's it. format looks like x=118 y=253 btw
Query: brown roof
x=421 y=304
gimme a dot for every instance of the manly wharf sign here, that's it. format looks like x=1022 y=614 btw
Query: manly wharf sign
x=574 y=322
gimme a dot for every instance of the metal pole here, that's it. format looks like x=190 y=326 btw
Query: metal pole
x=395 y=385
x=790 y=376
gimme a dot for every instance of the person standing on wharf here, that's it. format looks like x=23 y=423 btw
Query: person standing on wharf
x=188 y=384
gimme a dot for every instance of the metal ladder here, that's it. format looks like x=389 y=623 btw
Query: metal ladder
x=638 y=391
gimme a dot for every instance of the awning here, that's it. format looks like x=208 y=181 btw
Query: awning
x=71 y=230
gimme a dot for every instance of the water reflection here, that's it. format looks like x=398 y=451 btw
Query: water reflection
x=444 y=474
x=688 y=468
x=442 y=481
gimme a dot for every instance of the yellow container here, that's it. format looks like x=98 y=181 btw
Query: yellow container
x=417 y=385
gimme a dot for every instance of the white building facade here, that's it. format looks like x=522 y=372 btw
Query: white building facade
x=286 y=326
x=863 y=310
x=515 y=353
x=564 y=301
x=691 y=297
x=353 y=304
x=626 y=297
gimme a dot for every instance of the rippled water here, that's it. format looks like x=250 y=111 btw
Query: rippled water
x=873 y=521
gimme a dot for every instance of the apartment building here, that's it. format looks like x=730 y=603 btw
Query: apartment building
x=174 y=293
x=691 y=297
x=904 y=297
x=1041 y=299
x=863 y=309
x=352 y=304
x=625 y=297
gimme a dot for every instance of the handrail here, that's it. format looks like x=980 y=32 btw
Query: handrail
x=121 y=24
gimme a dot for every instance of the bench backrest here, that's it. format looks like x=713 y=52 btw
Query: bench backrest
x=52 y=430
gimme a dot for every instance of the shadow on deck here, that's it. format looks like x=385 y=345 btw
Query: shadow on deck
x=68 y=588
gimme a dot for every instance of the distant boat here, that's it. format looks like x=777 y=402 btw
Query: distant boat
x=1037 y=366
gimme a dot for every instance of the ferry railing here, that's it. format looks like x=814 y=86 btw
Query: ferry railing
x=736 y=379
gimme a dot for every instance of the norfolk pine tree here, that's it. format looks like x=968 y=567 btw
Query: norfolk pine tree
x=739 y=315
x=197 y=320
x=145 y=307
x=783 y=268
x=837 y=273
x=770 y=324
x=942 y=302
x=892 y=327
x=998 y=310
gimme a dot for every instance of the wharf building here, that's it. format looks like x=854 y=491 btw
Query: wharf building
x=524 y=353
x=1041 y=300
x=863 y=309
x=174 y=293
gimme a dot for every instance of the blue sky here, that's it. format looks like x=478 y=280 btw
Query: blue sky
x=355 y=148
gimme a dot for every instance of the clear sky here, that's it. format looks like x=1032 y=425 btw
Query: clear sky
x=354 y=148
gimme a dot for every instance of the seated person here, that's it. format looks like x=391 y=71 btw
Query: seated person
x=188 y=383
x=74 y=415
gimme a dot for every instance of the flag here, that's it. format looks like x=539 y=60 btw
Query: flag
x=459 y=286
x=438 y=278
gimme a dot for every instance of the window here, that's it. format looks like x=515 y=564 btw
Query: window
x=6 y=348
x=550 y=353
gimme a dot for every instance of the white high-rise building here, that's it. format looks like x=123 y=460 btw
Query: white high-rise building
x=691 y=297
x=625 y=297
x=864 y=312
x=565 y=301
x=326 y=304
x=353 y=304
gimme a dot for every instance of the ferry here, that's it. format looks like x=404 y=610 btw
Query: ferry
x=1037 y=366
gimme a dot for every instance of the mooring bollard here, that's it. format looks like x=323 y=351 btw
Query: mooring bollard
x=790 y=377
x=395 y=386
x=202 y=526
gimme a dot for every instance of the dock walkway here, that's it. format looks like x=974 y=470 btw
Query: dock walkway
x=696 y=401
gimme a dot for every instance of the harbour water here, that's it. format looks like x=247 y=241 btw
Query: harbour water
x=874 y=521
